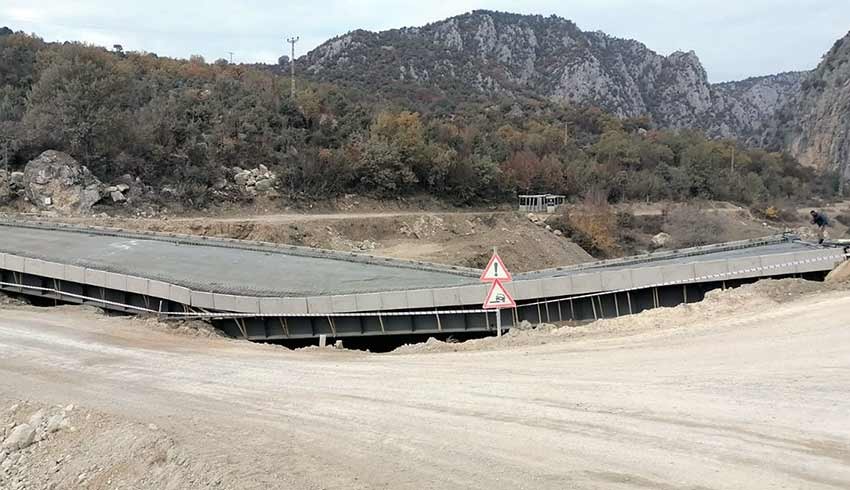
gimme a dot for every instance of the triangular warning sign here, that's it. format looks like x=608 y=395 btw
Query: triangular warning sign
x=499 y=297
x=496 y=270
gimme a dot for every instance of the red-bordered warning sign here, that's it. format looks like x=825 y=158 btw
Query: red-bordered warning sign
x=499 y=297
x=496 y=270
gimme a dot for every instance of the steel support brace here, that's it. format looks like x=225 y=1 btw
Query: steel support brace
x=240 y=323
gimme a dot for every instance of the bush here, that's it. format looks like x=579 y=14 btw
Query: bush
x=691 y=226
x=775 y=213
x=593 y=227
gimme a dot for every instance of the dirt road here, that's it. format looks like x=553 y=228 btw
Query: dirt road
x=756 y=397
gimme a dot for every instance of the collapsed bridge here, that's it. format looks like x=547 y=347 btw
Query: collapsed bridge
x=262 y=291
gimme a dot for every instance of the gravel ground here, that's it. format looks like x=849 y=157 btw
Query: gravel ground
x=748 y=390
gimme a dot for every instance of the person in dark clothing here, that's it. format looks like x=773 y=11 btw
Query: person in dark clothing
x=820 y=220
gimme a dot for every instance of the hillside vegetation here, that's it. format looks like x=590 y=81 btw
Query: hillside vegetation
x=184 y=124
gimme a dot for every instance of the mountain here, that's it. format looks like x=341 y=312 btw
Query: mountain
x=819 y=132
x=492 y=54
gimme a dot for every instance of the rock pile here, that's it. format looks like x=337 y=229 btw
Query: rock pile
x=423 y=227
x=11 y=186
x=25 y=433
x=255 y=181
x=537 y=220
x=661 y=240
x=118 y=193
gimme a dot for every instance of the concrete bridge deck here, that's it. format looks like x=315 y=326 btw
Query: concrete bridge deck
x=212 y=267
x=294 y=292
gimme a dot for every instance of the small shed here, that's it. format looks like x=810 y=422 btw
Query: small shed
x=540 y=203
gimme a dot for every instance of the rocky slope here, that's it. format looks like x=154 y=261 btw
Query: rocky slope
x=486 y=53
x=819 y=131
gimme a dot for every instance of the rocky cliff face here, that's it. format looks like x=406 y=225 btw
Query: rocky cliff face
x=751 y=110
x=819 y=131
x=491 y=54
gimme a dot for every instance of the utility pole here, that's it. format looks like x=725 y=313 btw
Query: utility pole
x=231 y=57
x=733 y=159
x=292 y=41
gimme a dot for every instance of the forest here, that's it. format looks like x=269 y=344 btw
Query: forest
x=185 y=123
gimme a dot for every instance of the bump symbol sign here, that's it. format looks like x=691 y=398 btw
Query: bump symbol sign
x=498 y=297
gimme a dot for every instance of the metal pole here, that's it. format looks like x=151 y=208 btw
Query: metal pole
x=498 y=323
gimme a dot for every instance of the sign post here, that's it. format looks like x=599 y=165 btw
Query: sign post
x=498 y=296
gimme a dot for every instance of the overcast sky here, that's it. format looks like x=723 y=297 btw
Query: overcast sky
x=734 y=39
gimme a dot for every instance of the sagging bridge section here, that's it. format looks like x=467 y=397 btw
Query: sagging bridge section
x=265 y=292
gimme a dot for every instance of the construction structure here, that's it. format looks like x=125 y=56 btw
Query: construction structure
x=540 y=203
x=262 y=291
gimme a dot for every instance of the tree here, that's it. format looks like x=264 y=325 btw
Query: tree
x=79 y=102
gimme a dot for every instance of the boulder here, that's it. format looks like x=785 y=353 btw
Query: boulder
x=54 y=181
x=242 y=178
x=661 y=240
x=56 y=423
x=265 y=185
x=117 y=196
x=21 y=437
x=17 y=180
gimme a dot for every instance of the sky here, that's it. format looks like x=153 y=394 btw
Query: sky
x=734 y=39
